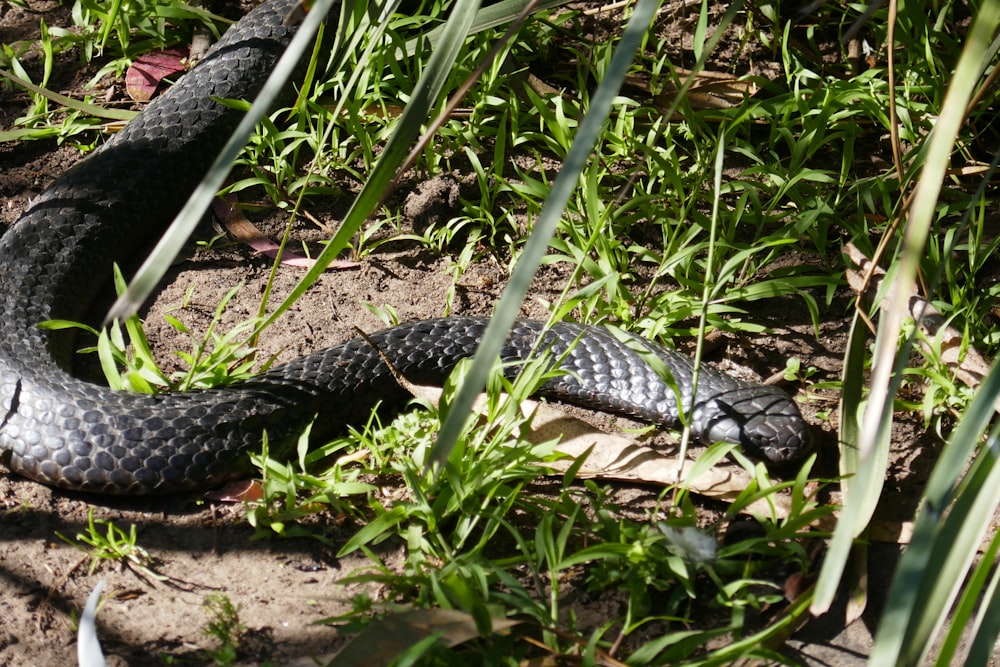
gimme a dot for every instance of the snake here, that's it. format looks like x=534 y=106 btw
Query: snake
x=68 y=432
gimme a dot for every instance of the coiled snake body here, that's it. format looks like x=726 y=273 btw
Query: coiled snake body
x=63 y=431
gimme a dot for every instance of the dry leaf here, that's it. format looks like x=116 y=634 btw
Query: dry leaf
x=144 y=76
x=381 y=642
x=617 y=457
x=244 y=231
x=238 y=492
x=709 y=90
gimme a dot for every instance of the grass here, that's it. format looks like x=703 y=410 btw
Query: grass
x=104 y=542
x=224 y=626
x=676 y=219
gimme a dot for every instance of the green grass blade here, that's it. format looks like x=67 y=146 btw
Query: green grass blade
x=563 y=187
x=425 y=94
x=68 y=102
x=935 y=563
x=865 y=485
x=700 y=29
x=953 y=549
x=156 y=265
x=983 y=649
x=865 y=489
x=981 y=584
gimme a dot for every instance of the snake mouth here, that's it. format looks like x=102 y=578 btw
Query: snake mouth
x=789 y=449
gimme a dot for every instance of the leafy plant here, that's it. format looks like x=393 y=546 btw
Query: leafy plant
x=225 y=626
x=130 y=27
x=129 y=362
x=112 y=545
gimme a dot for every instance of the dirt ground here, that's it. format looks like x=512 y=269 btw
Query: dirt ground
x=282 y=587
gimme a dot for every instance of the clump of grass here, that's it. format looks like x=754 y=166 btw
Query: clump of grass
x=104 y=542
x=129 y=363
x=478 y=537
x=224 y=626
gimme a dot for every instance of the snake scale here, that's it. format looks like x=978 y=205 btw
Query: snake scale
x=63 y=431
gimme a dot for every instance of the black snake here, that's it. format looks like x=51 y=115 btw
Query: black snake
x=63 y=431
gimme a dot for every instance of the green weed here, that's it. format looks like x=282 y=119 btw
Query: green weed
x=225 y=626
x=129 y=363
x=104 y=542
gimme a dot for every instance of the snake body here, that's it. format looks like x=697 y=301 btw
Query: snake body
x=63 y=431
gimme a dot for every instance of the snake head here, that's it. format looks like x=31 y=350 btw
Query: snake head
x=764 y=420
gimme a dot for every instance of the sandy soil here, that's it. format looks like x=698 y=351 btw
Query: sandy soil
x=283 y=587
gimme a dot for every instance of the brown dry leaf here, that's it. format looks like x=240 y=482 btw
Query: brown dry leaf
x=238 y=492
x=381 y=642
x=621 y=458
x=244 y=231
x=617 y=457
x=709 y=90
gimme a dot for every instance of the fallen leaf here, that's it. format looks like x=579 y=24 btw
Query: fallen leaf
x=617 y=457
x=708 y=90
x=621 y=458
x=237 y=492
x=244 y=231
x=381 y=642
x=143 y=78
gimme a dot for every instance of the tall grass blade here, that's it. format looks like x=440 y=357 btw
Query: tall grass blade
x=890 y=359
x=70 y=103
x=155 y=266
x=425 y=95
x=987 y=624
x=543 y=229
x=950 y=525
x=856 y=479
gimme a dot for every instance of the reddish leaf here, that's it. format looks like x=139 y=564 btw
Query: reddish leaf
x=144 y=76
x=249 y=491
